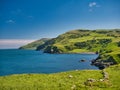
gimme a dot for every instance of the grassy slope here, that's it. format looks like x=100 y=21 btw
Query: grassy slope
x=35 y=44
x=66 y=43
x=62 y=81
x=92 y=35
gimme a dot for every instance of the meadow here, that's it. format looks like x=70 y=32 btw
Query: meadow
x=71 y=80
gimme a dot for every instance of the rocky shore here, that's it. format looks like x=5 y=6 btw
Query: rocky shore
x=103 y=61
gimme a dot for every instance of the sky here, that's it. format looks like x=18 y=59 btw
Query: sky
x=23 y=21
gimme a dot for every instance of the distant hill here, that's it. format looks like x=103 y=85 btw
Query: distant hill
x=35 y=44
x=104 y=42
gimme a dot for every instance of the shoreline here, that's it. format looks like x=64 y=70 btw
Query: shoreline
x=103 y=61
x=74 y=53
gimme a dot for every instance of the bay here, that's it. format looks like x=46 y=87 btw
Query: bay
x=15 y=61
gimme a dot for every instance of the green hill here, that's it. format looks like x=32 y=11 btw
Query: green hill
x=78 y=41
x=35 y=44
x=104 y=42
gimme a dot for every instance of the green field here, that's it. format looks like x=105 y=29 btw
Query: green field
x=71 y=80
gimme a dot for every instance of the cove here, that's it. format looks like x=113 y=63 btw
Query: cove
x=14 y=61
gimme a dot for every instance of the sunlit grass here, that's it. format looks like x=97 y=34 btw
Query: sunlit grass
x=63 y=81
x=79 y=51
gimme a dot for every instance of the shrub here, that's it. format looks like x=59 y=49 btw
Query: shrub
x=69 y=47
x=52 y=49
x=81 y=44
x=118 y=43
x=104 y=41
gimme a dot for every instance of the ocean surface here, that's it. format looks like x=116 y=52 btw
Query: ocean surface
x=14 y=61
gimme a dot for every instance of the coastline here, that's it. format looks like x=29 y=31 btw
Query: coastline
x=70 y=52
x=104 y=61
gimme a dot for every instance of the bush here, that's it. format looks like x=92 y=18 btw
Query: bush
x=81 y=44
x=52 y=49
x=69 y=47
x=118 y=43
x=104 y=41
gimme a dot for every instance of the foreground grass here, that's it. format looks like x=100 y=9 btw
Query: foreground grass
x=72 y=80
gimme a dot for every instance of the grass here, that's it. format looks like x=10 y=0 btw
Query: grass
x=35 y=44
x=114 y=74
x=71 y=80
x=48 y=82
x=79 y=50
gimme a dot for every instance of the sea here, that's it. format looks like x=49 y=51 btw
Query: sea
x=15 y=61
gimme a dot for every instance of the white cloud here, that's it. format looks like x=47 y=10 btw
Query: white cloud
x=92 y=4
x=10 y=21
x=13 y=43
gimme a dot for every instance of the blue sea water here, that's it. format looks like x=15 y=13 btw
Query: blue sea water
x=14 y=61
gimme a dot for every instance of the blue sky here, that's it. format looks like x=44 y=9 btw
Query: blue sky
x=35 y=19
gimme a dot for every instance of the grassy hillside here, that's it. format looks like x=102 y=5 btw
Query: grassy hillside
x=77 y=41
x=34 y=44
x=104 y=42
x=107 y=79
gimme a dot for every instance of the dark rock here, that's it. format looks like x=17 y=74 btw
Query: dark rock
x=82 y=60
x=96 y=52
x=101 y=64
x=91 y=80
